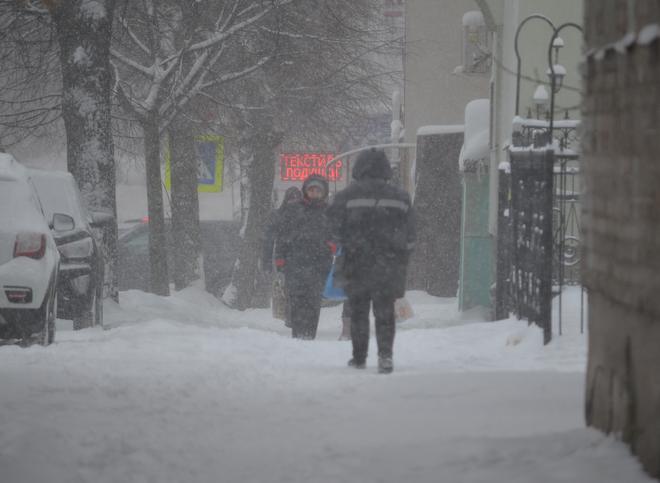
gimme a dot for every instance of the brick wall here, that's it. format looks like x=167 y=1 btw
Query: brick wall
x=621 y=142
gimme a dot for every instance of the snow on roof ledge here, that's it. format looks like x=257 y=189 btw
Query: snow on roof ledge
x=648 y=34
x=476 y=144
x=440 y=129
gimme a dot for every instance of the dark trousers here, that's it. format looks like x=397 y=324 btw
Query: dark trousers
x=383 y=305
x=346 y=310
x=304 y=313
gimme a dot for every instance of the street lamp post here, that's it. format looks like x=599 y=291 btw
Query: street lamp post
x=515 y=46
x=556 y=71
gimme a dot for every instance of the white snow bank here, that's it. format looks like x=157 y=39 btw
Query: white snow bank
x=184 y=389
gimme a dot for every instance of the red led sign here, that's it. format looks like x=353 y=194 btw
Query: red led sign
x=298 y=166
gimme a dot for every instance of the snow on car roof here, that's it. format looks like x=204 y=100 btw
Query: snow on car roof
x=58 y=193
x=10 y=169
x=19 y=209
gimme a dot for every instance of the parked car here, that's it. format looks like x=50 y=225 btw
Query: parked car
x=29 y=260
x=81 y=276
x=220 y=243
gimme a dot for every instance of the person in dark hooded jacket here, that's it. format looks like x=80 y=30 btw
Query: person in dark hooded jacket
x=275 y=229
x=374 y=223
x=303 y=253
x=276 y=226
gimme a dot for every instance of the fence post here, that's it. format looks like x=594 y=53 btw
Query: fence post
x=504 y=240
x=546 y=244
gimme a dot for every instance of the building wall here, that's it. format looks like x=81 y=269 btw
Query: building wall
x=435 y=261
x=622 y=229
x=433 y=93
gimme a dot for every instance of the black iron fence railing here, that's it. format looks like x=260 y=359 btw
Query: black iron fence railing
x=566 y=225
x=538 y=242
x=531 y=225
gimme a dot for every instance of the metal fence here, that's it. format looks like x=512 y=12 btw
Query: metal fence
x=531 y=235
x=566 y=223
x=538 y=243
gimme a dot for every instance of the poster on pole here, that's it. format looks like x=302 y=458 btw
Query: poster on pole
x=210 y=155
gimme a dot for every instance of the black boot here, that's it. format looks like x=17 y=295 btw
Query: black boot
x=357 y=364
x=385 y=365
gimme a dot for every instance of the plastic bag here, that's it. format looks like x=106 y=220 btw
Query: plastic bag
x=332 y=290
x=403 y=310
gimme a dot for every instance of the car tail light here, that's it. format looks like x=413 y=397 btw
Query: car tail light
x=32 y=245
x=18 y=295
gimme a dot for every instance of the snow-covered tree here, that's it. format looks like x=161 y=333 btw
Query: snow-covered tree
x=326 y=77
x=167 y=54
x=81 y=29
x=30 y=77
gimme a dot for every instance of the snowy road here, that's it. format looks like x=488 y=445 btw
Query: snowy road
x=185 y=390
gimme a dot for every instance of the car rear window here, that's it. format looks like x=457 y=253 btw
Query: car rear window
x=57 y=195
x=17 y=202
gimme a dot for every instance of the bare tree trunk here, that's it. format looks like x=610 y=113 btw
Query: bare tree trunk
x=83 y=35
x=260 y=175
x=160 y=284
x=186 y=239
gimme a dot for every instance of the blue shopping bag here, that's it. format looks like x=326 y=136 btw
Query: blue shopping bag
x=331 y=290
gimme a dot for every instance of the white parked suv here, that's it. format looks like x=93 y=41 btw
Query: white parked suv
x=29 y=259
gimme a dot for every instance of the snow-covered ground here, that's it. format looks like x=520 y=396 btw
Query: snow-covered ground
x=183 y=389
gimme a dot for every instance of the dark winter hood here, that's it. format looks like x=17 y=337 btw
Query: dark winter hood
x=292 y=194
x=318 y=180
x=372 y=164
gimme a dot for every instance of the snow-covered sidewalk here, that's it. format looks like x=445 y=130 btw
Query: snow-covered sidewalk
x=182 y=389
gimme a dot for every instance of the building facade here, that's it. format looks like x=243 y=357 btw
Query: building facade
x=436 y=84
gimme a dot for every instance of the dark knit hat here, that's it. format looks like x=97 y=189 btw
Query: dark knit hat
x=291 y=194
